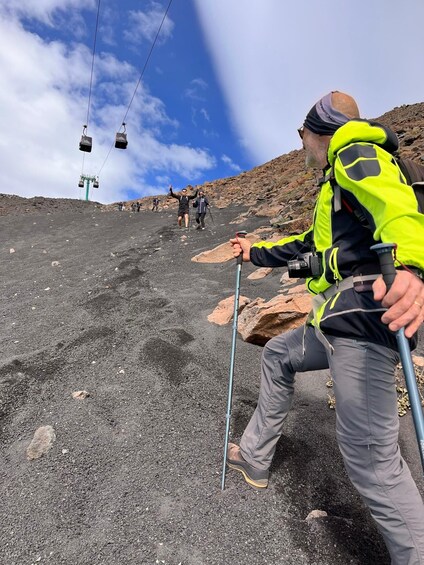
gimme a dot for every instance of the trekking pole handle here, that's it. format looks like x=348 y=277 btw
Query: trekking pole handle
x=385 y=257
x=242 y=234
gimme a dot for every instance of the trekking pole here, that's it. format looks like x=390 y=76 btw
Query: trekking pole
x=233 y=355
x=384 y=251
x=209 y=210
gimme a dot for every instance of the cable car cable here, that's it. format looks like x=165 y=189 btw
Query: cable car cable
x=139 y=80
x=86 y=141
x=147 y=60
x=92 y=61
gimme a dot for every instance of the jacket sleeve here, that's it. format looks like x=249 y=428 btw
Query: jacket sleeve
x=369 y=174
x=173 y=195
x=192 y=196
x=276 y=254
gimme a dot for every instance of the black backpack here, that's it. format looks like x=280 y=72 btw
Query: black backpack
x=414 y=175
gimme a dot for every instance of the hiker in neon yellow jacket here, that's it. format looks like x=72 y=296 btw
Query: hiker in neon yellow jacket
x=363 y=199
x=361 y=164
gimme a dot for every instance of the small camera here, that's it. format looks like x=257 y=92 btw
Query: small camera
x=306 y=265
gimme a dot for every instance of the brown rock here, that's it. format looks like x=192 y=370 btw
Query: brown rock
x=223 y=313
x=285 y=279
x=222 y=253
x=260 y=321
x=80 y=394
x=298 y=289
x=260 y=273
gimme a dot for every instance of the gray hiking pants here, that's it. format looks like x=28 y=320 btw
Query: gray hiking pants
x=367 y=426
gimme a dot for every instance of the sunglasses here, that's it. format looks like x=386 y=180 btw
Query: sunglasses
x=301 y=132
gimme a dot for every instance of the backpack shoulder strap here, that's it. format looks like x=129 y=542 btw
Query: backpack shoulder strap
x=413 y=172
x=337 y=198
x=341 y=200
x=414 y=175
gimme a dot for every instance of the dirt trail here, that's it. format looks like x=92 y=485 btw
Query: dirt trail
x=112 y=304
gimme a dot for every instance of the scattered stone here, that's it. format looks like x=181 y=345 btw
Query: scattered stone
x=80 y=394
x=41 y=442
x=418 y=361
x=316 y=514
x=223 y=313
x=55 y=263
x=11 y=250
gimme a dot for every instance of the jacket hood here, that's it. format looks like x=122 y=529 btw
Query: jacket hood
x=362 y=131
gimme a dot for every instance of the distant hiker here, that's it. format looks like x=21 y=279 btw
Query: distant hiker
x=138 y=206
x=201 y=204
x=155 y=207
x=354 y=317
x=120 y=206
x=133 y=207
x=183 y=206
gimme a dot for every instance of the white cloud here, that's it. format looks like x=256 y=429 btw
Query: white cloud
x=145 y=25
x=199 y=82
x=43 y=107
x=163 y=179
x=228 y=161
x=205 y=114
x=196 y=90
x=45 y=11
x=274 y=59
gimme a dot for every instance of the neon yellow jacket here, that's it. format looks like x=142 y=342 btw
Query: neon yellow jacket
x=360 y=162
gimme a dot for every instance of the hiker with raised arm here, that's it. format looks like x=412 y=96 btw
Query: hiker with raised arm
x=201 y=204
x=351 y=331
x=183 y=205
x=155 y=206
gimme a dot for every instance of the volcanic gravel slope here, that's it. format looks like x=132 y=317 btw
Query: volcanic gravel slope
x=112 y=304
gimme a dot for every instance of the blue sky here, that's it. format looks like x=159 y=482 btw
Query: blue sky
x=227 y=85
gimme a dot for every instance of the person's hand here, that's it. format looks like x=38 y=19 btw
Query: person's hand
x=241 y=245
x=405 y=302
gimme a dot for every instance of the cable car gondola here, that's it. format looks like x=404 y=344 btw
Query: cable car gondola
x=86 y=141
x=121 y=139
x=81 y=183
x=96 y=183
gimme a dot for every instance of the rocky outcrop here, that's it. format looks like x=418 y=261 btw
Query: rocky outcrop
x=283 y=190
